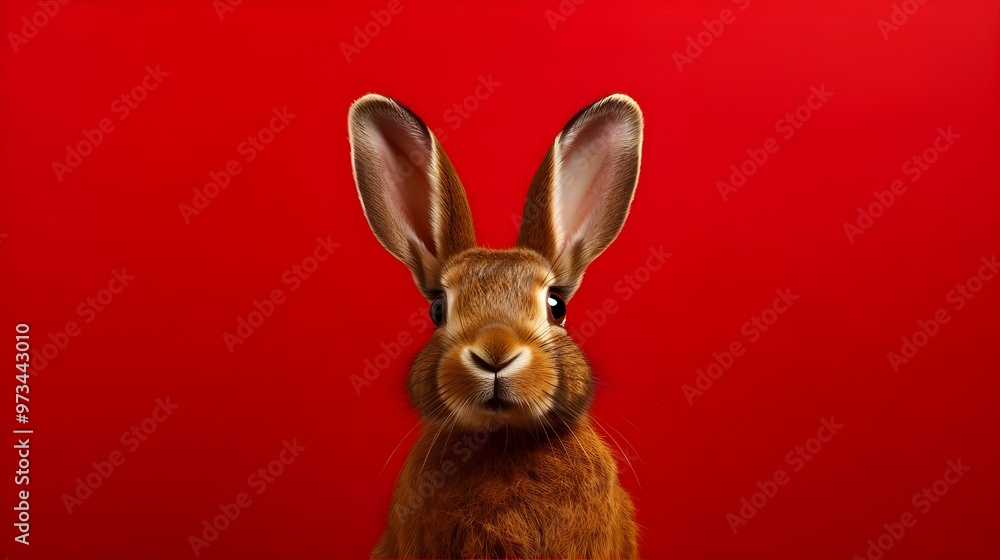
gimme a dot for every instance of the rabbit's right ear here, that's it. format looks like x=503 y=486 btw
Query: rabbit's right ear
x=410 y=193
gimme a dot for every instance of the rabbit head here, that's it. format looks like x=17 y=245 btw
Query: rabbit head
x=500 y=353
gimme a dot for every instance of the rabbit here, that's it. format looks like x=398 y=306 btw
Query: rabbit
x=508 y=463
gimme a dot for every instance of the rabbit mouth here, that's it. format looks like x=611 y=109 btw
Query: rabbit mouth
x=496 y=403
x=479 y=383
x=500 y=399
x=496 y=379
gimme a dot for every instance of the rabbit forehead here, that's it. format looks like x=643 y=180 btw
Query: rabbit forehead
x=503 y=278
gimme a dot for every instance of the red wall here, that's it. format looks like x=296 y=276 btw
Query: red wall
x=878 y=101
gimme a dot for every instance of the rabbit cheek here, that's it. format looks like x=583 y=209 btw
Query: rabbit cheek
x=536 y=385
x=457 y=388
x=421 y=383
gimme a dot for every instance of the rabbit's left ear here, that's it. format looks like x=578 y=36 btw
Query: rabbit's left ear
x=581 y=194
x=411 y=195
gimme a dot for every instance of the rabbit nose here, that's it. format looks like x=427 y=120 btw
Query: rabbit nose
x=491 y=365
x=493 y=348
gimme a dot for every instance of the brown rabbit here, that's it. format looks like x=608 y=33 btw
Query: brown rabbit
x=508 y=464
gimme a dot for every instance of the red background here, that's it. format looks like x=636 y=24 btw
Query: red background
x=826 y=356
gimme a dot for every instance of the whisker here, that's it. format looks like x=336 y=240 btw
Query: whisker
x=394 y=449
x=627 y=442
x=429 y=448
x=627 y=420
x=447 y=438
x=576 y=439
x=627 y=461
x=566 y=451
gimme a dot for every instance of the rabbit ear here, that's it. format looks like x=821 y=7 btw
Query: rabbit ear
x=410 y=193
x=581 y=194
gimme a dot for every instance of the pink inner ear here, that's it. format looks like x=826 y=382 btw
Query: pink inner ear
x=584 y=178
x=406 y=165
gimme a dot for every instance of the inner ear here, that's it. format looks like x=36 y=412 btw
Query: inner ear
x=585 y=165
x=584 y=187
x=409 y=191
x=408 y=178
x=595 y=173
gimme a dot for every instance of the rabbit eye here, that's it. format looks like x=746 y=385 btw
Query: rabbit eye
x=437 y=309
x=557 y=308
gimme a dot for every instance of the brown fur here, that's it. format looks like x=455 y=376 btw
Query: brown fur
x=518 y=495
x=509 y=464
